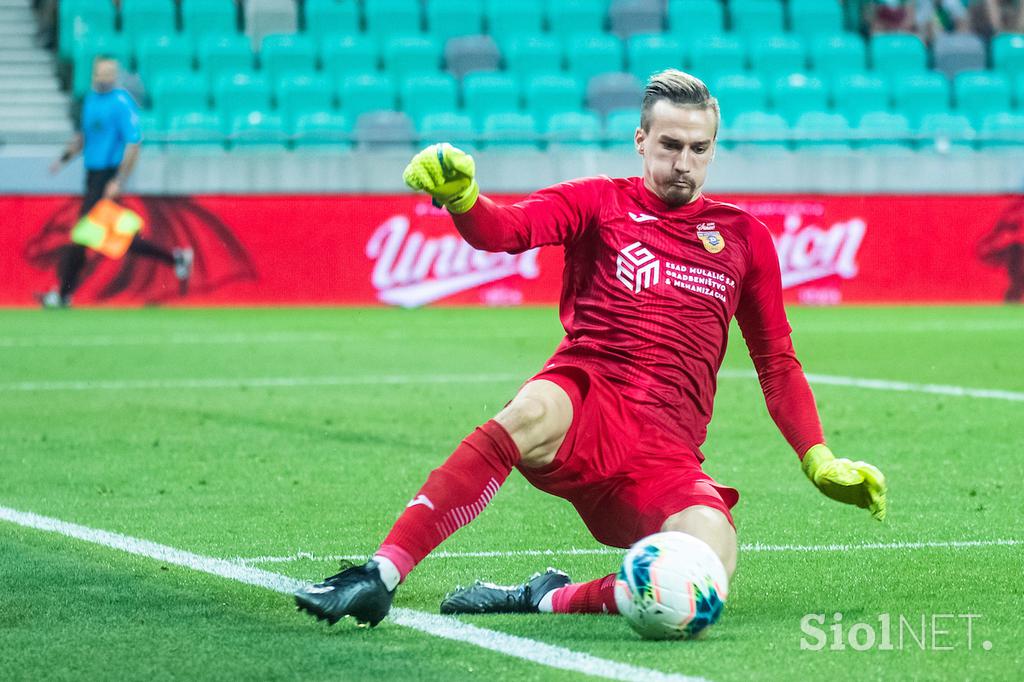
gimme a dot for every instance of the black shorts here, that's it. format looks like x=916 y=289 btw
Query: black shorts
x=95 y=182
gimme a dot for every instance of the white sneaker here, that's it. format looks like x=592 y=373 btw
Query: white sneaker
x=183 y=259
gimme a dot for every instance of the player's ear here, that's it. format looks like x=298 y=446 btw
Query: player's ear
x=638 y=140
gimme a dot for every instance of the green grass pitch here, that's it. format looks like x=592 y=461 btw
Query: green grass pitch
x=148 y=423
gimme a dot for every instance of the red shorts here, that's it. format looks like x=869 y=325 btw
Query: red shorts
x=624 y=475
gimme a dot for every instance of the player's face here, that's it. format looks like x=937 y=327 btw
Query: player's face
x=104 y=75
x=677 y=150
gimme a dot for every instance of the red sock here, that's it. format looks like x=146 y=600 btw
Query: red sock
x=453 y=495
x=597 y=596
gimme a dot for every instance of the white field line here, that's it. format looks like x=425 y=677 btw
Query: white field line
x=897 y=386
x=403 y=379
x=253 y=382
x=445 y=627
x=243 y=338
x=577 y=551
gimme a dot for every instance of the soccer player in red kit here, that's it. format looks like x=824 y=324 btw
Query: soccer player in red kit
x=654 y=272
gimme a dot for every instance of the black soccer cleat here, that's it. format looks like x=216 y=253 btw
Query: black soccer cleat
x=481 y=597
x=357 y=591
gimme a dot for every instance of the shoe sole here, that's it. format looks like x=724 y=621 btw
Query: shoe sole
x=315 y=610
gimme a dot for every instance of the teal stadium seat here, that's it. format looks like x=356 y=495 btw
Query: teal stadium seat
x=144 y=17
x=833 y=54
x=1008 y=54
x=509 y=130
x=341 y=55
x=392 y=17
x=759 y=129
x=450 y=18
x=427 y=94
x=754 y=17
x=218 y=55
x=411 y=55
x=94 y=44
x=257 y=130
x=570 y=17
x=284 y=53
x=946 y=131
x=712 y=56
x=897 y=53
x=178 y=92
x=620 y=128
x=587 y=55
x=157 y=54
x=200 y=17
x=297 y=94
x=485 y=93
x=740 y=92
x=919 y=94
x=796 y=93
x=317 y=129
x=154 y=131
x=573 y=129
x=777 y=55
x=1002 y=129
x=884 y=129
x=507 y=19
x=448 y=126
x=549 y=94
x=855 y=94
x=810 y=18
x=822 y=130
x=691 y=19
x=1018 y=91
x=240 y=93
x=649 y=54
x=529 y=55
x=365 y=92
x=323 y=18
x=981 y=93
x=79 y=19
x=196 y=129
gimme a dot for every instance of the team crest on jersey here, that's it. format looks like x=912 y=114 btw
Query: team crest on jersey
x=710 y=237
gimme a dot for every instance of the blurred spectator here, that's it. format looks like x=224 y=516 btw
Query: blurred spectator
x=941 y=16
x=889 y=16
x=989 y=17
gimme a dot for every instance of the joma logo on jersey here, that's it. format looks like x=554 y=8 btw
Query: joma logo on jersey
x=637 y=268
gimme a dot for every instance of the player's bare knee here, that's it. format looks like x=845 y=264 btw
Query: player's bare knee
x=711 y=526
x=537 y=420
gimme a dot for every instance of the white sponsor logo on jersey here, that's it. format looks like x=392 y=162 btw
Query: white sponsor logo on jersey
x=411 y=269
x=637 y=268
x=641 y=217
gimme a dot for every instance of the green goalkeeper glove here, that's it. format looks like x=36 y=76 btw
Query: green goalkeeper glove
x=856 y=483
x=447 y=174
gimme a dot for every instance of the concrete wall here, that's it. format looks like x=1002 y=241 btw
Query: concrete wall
x=23 y=170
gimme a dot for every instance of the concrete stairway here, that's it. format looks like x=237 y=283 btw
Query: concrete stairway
x=33 y=109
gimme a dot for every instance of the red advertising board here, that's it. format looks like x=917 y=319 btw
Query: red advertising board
x=399 y=250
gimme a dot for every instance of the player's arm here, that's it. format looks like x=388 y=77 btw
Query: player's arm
x=71 y=150
x=551 y=216
x=762 y=319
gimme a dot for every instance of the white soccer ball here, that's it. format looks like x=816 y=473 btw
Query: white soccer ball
x=671 y=586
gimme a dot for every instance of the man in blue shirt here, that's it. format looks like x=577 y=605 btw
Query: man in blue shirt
x=109 y=143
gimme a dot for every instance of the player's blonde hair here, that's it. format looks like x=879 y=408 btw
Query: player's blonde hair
x=682 y=90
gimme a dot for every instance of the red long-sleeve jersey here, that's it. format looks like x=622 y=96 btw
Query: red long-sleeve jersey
x=648 y=292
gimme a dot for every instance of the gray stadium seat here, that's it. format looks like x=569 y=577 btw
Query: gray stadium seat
x=385 y=129
x=471 y=53
x=956 y=52
x=263 y=17
x=612 y=91
x=629 y=17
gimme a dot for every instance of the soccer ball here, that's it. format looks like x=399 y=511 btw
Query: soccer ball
x=671 y=586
